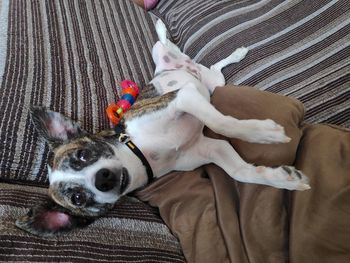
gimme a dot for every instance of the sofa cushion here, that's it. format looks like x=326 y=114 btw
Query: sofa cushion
x=68 y=56
x=132 y=231
x=297 y=48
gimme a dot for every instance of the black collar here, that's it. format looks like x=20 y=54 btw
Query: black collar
x=125 y=138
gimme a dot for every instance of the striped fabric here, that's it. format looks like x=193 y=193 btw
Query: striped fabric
x=69 y=56
x=131 y=232
x=299 y=48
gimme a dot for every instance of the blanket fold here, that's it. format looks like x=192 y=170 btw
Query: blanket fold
x=320 y=219
x=219 y=220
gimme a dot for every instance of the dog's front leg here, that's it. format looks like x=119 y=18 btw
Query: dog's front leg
x=258 y=131
x=220 y=152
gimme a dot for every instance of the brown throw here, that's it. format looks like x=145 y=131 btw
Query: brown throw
x=219 y=220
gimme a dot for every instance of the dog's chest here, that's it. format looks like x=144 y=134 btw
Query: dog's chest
x=162 y=132
x=163 y=136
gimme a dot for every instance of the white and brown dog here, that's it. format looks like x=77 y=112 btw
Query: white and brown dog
x=90 y=172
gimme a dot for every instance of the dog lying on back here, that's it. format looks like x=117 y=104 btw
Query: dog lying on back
x=90 y=172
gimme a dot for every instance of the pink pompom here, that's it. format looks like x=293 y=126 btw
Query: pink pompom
x=149 y=4
x=127 y=85
x=124 y=104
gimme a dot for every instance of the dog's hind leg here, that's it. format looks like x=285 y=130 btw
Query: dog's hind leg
x=235 y=57
x=258 y=131
x=220 y=152
x=161 y=32
x=213 y=77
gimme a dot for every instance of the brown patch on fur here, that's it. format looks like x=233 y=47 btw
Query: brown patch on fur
x=145 y=106
x=62 y=151
x=147 y=92
x=62 y=193
x=106 y=133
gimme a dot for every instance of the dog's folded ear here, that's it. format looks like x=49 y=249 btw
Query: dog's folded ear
x=54 y=127
x=50 y=219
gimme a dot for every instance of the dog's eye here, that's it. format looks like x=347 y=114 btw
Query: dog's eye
x=84 y=155
x=79 y=199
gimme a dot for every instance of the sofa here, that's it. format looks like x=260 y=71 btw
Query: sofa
x=71 y=55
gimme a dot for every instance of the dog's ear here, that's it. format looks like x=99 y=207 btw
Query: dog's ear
x=49 y=219
x=54 y=127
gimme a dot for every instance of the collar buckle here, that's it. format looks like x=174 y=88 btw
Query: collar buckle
x=123 y=137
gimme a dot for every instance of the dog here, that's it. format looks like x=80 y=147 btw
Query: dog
x=90 y=172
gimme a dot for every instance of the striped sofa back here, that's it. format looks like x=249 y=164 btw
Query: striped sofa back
x=298 y=48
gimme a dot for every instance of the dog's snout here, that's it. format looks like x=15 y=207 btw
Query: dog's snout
x=105 y=180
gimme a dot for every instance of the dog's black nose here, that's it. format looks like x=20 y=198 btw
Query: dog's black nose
x=105 y=180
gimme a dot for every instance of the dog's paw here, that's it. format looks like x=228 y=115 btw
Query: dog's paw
x=238 y=54
x=282 y=177
x=292 y=179
x=266 y=131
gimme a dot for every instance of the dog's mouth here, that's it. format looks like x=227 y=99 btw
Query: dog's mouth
x=124 y=180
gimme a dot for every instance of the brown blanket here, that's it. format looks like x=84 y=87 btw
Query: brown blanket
x=219 y=220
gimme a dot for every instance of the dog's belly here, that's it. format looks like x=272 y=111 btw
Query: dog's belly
x=163 y=137
x=168 y=81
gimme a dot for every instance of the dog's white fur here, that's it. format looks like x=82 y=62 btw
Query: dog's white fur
x=172 y=138
x=174 y=134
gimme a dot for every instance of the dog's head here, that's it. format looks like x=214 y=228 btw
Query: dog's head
x=89 y=172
